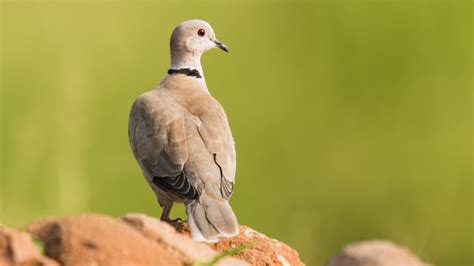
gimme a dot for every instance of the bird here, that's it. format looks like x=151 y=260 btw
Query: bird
x=181 y=139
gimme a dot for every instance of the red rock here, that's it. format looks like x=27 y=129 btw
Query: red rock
x=264 y=250
x=93 y=239
x=180 y=245
x=375 y=253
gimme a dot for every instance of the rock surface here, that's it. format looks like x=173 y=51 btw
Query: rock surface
x=133 y=239
x=264 y=251
x=92 y=239
x=375 y=253
x=179 y=245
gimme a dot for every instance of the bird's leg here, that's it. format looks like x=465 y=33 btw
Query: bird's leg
x=165 y=215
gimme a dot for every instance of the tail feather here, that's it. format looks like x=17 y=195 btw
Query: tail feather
x=210 y=219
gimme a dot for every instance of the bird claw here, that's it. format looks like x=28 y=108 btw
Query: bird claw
x=172 y=221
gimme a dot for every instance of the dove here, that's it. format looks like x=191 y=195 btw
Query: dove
x=181 y=139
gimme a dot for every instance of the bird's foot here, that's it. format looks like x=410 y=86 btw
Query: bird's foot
x=171 y=221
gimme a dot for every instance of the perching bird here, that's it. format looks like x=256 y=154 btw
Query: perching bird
x=182 y=141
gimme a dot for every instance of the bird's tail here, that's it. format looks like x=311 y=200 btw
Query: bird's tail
x=210 y=219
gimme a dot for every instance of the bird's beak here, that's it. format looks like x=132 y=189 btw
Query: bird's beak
x=221 y=46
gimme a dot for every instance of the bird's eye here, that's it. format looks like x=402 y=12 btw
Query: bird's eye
x=201 y=32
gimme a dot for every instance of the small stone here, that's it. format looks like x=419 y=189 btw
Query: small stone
x=375 y=253
x=17 y=248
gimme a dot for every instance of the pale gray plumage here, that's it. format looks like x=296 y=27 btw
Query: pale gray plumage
x=181 y=139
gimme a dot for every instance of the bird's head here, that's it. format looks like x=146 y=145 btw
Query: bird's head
x=195 y=36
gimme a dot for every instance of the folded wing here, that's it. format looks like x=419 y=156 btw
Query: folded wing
x=158 y=139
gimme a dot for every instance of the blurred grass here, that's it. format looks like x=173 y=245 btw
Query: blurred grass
x=353 y=120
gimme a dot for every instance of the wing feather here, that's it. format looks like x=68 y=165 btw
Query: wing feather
x=158 y=141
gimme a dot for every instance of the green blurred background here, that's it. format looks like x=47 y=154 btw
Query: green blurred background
x=352 y=120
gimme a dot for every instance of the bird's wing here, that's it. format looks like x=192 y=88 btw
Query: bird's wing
x=215 y=132
x=157 y=136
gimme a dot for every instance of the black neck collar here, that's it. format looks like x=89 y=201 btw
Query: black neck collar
x=186 y=71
